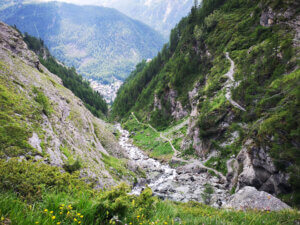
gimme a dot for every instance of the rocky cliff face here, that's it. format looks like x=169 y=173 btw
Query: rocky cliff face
x=59 y=130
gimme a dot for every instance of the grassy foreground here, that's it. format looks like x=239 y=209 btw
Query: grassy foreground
x=35 y=193
x=108 y=207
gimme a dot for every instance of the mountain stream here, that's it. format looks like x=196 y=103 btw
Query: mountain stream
x=185 y=183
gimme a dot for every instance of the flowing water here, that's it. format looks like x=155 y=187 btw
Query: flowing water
x=185 y=183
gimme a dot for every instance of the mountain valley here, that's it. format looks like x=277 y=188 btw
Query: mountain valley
x=206 y=132
x=99 y=42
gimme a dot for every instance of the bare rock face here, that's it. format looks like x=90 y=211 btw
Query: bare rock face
x=258 y=170
x=12 y=41
x=177 y=109
x=267 y=18
x=250 y=198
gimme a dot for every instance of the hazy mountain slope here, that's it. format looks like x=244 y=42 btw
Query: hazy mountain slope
x=161 y=15
x=98 y=41
x=231 y=67
x=41 y=120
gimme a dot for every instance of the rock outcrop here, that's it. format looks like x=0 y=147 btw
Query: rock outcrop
x=250 y=198
x=258 y=170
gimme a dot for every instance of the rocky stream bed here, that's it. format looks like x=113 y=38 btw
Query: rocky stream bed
x=191 y=181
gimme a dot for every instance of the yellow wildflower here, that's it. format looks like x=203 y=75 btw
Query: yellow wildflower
x=62 y=205
x=37 y=222
x=68 y=212
x=58 y=223
x=51 y=212
x=2 y=218
x=61 y=208
x=60 y=213
x=75 y=219
x=45 y=210
x=53 y=217
x=78 y=214
x=79 y=222
x=81 y=216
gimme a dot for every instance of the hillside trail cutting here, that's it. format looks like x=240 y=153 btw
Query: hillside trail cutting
x=231 y=83
x=175 y=157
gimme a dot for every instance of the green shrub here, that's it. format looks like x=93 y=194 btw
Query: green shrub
x=43 y=101
x=30 y=179
x=72 y=166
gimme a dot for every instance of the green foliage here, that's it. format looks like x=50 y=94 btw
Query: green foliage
x=111 y=206
x=149 y=140
x=72 y=166
x=15 y=111
x=36 y=45
x=43 y=101
x=71 y=80
x=30 y=179
x=206 y=195
x=116 y=167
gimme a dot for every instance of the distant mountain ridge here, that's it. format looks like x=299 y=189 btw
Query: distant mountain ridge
x=97 y=41
x=162 y=15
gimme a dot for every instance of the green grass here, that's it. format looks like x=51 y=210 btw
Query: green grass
x=99 y=208
x=149 y=140
x=43 y=101
x=36 y=193
x=117 y=167
x=18 y=117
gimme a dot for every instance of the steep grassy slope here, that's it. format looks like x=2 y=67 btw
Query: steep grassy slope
x=254 y=108
x=97 y=41
x=42 y=121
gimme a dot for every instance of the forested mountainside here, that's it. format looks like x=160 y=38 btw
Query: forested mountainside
x=71 y=80
x=230 y=76
x=162 y=15
x=99 y=42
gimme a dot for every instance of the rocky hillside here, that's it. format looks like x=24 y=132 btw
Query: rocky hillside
x=99 y=42
x=42 y=121
x=228 y=79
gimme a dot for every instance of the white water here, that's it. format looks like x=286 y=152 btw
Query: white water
x=184 y=184
x=160 y=173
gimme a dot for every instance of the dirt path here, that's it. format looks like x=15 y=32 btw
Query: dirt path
x=231 y=83
x=176 y=152
x=162 y=136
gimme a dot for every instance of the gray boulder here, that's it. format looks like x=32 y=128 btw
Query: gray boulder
x=251 y=198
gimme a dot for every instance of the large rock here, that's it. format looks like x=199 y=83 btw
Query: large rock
x=251 y=198
x=258 y=170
